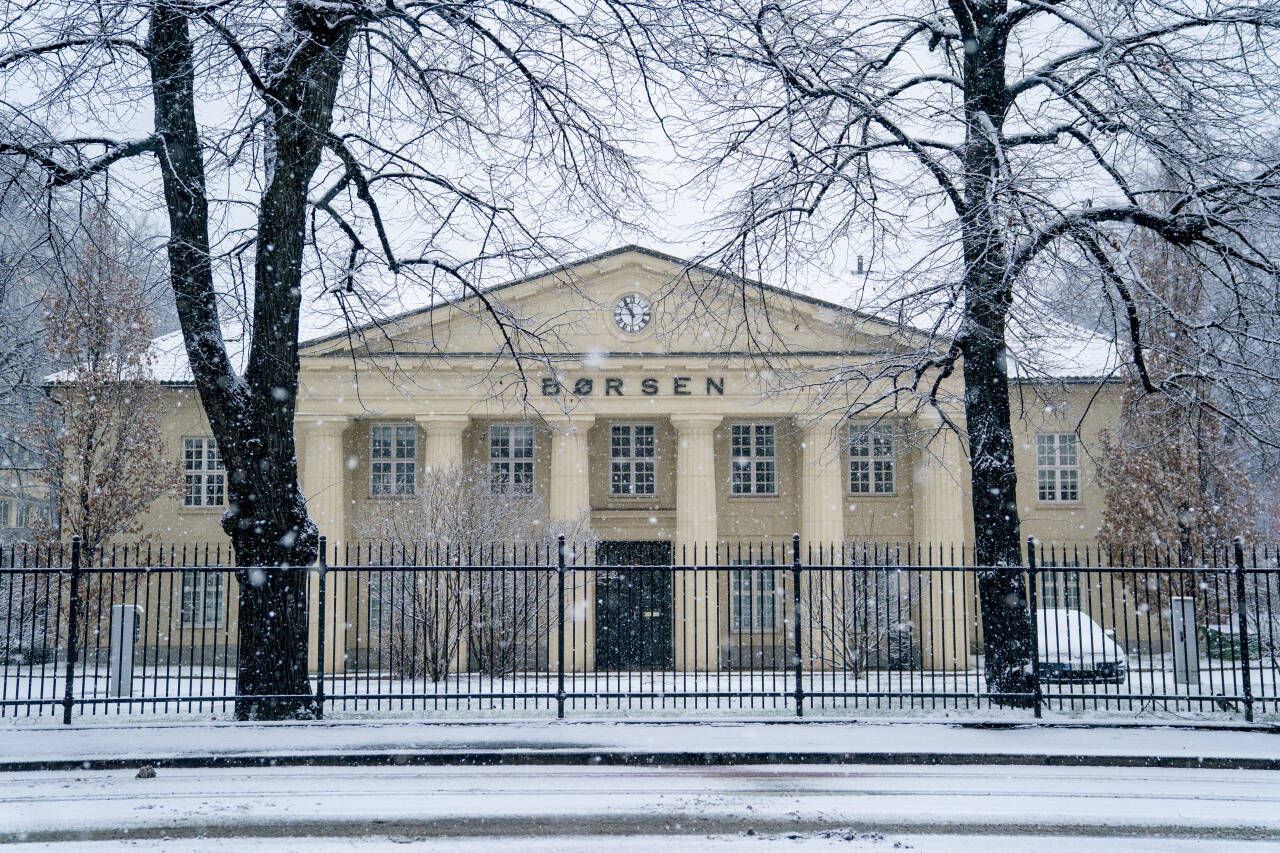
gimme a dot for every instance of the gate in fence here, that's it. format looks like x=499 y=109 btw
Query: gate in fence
x=618 y=627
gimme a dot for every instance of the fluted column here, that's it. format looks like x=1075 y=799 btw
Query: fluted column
x=570 y=500
x=323 y=478
x=947 y=615
x=441 y=442
x=697 y=594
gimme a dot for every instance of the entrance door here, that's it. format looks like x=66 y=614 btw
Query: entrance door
x=633 y=606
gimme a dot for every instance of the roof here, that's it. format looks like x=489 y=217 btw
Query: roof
x=1068 y=353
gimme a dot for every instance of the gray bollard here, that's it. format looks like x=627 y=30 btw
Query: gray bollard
x=1186 y=651
x=126 y=621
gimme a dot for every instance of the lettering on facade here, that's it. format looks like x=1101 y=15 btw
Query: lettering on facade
x=613 y=386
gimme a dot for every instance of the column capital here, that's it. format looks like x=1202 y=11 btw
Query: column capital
x=695 y=422
x=570 y=423
x=443 y=422
x=323 y=424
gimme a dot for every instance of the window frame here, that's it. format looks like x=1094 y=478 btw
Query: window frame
x=1057 y=469
x=755 y=461
x=632 y=460
x=510 y=461
x=194 y=598
x=208 y=477
x=877 y=463
x=398 y=466
x=761 y=598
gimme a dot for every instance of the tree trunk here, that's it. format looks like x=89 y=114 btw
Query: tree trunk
x=1002 y=593
x=252 y=416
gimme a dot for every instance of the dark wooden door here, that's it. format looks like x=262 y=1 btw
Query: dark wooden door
x=633 y=606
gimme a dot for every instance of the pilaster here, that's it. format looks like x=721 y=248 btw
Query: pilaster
x=323 y=479
x=697 y=594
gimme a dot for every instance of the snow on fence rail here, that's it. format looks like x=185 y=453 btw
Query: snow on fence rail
x=766 y=626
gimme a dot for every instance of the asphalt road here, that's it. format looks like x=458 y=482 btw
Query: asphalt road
x=565 y=807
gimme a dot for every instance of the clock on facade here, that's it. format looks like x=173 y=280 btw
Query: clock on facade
x=632 y=313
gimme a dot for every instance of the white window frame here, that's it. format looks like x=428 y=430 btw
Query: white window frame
x=205 y=483
x=512 y=473
x=1060 y=587
x=759 y=594
x=747 y=473
x=4 y=512
x=873 y=467
x=625 y=471
x=1058 y=467
x=393 y=460
x=203 y=594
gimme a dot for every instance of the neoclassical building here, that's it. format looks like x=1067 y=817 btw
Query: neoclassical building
x=667 y=406
x=673 y=410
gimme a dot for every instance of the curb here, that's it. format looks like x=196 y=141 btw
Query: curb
x=573 y=757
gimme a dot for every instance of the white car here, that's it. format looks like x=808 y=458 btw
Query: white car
x=1072 y=647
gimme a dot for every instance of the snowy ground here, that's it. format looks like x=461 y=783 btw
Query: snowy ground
x=630 y=809
x=872 y=692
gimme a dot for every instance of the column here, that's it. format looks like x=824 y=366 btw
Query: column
x=441 y=438
x=441 y=441
x=824 y=593
x=947 y=612
x=696 y=604
x=323 y=479
x=821 y=486
x=569 y=501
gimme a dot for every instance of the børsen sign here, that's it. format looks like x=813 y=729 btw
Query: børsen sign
x=649 y=386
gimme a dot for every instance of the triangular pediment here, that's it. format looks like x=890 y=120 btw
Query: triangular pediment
x=572 y=311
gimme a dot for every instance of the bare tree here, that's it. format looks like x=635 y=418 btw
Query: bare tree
x=420 y=139
x=99 y=431
x=481 y=613
x=1002 y=147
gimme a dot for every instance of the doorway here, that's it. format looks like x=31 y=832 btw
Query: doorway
x=633 y=605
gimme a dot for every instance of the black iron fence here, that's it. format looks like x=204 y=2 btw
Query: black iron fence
x=768 y=627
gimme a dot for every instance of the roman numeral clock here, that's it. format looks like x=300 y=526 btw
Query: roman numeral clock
x=632 y=313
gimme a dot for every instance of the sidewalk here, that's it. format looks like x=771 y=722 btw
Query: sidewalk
x=169 y=743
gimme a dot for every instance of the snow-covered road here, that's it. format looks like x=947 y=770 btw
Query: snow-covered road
x=743 y=805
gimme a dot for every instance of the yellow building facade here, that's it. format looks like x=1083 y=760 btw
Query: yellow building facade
x=668 y=408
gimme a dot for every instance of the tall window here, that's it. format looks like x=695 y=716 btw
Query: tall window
x=4 y=513
x=202 y=594
x=1057 y=466
x=206 y=479
x=22 y=517
x=631 y=459
x=753 y=601
x=1060 y=589
x=755 y=459
x=511 y=459
x=393 y=451
x=871 y=465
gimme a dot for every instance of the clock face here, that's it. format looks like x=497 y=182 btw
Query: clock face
x=632 y=313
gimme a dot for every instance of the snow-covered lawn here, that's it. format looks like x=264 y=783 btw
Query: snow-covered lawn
x=187 y=690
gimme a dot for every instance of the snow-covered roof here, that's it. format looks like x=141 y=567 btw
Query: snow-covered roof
x=1061 y=351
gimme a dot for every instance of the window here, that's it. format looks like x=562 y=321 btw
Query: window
x=206 y=479
x=755 y=459
x=752 y=598
x=201 y=597
x=22 y=517
x=393 y=453
x=1060 y=589
x=871 y=460
x=4 y=513
x=631 y=459
x=1057 y=467
x=511 y=459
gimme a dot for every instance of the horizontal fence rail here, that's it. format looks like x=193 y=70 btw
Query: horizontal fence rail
x=772 y=627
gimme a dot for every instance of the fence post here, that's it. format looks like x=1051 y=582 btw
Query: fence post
x=73 y=630
x=560 y=627
x=1033 y=595
x=795 y=610
x=323 y=566
x=1242 y=616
